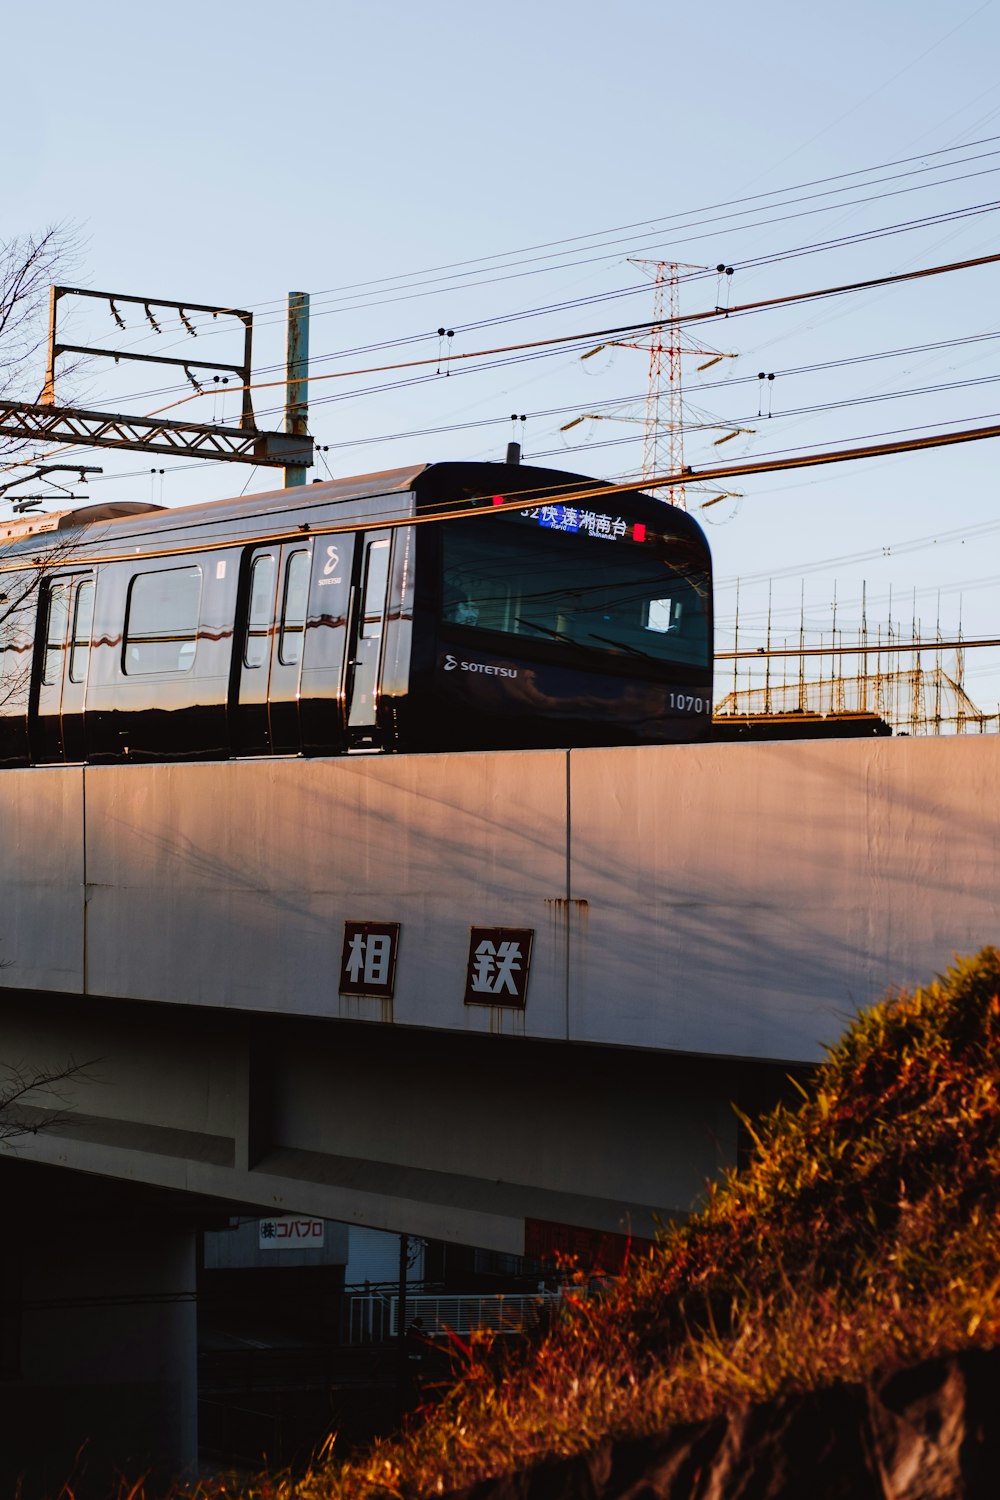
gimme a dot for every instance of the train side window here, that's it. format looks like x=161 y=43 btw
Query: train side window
x=293 y=608
x=79 y=642
x=255 y=651
x=376 y=581
x=55 y=632
x=161 y=621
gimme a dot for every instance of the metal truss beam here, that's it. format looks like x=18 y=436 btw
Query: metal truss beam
x=95 y=429
x=242 y=371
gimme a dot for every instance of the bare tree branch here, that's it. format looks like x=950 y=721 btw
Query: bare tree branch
x=34 y=1099
x=19 y=603
x=29 y=264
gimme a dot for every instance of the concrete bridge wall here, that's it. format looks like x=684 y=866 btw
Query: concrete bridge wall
x=729 y=900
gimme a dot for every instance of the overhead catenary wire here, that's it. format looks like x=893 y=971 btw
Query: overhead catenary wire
x=605 y=403
x=564 y=493
x=647 y=325
x=661 y=222
x=567 y=340
x=406 y=278
x=668 y=221
x=795 y=411
x=881 y=648
x=655 y=248
x=751 y=263
x=760 y=196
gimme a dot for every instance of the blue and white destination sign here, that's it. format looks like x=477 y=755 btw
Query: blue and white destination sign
x=591 y=522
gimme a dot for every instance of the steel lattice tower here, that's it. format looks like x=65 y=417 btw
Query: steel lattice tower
x=663 y=442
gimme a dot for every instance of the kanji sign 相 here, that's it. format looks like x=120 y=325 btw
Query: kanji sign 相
x=368 y=963
x=499 y=958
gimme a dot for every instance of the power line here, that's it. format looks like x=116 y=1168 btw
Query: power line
x=565 y=340
x=535 y=348
x=771 y=258
x=759 y=653
x=653 y=248
x=751 y=263
x=667 y=220
x=610 y=402
x=893 y=549
x=846 y=361
x=566 y=492
x=795 y=411
x=401 y=281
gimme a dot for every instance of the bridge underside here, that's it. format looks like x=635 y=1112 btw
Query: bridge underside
x=455 y=1137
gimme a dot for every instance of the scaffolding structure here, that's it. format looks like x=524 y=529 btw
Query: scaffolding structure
x=889 y=677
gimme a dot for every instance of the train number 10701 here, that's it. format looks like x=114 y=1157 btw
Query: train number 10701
x=688 y=703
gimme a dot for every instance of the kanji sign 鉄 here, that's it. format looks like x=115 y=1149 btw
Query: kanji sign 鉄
x=499 y=958
x=368 y=964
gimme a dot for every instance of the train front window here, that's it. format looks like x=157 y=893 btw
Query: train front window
x=603 y=598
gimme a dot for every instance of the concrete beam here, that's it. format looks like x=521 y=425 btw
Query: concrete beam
x=453 y=1137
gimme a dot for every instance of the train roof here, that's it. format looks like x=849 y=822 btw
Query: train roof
x=175 y=517
x=129 y=517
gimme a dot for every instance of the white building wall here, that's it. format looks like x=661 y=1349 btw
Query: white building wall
x=373 y=1255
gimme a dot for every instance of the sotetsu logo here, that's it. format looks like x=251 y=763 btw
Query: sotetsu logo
x=452 y=664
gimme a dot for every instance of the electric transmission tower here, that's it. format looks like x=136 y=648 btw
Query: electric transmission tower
x=663 y=444
x=664 y=420
x=663 y=440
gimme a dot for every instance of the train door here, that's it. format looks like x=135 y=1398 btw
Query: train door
x=265 y=719
x=56 y=715
x=367 y=631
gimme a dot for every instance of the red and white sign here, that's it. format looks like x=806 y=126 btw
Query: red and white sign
x=291 y=1232
x=368 y=962
x=499 y=960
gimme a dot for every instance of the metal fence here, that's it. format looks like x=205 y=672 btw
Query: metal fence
x=373 y=1317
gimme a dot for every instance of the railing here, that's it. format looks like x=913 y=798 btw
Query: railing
x=372 y=1317
x=369 y=1317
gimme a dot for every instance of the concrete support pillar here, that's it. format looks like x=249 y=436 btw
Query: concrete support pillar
x=104 y=1361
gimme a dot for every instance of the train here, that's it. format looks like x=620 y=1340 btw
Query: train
x=441 y=607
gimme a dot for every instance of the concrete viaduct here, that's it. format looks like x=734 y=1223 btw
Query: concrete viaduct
x=473 y=997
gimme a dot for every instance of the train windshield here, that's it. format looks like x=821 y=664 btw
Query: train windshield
x=610 y=599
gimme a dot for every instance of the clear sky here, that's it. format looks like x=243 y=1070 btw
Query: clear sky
x=230 y=154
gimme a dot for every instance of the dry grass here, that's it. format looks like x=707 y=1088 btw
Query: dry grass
x=864 y=1233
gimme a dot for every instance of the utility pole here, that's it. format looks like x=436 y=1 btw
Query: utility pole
x=402 y=1369
x=297 y=379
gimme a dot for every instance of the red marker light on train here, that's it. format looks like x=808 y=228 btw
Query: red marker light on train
x=497 y=499
x=639 y=531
